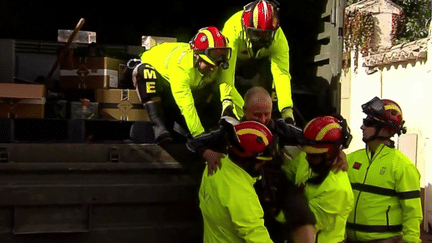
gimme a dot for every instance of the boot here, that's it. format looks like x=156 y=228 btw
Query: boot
x=155 y=112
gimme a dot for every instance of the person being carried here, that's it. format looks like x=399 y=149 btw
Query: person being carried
x=257 y=107
x=277 y=194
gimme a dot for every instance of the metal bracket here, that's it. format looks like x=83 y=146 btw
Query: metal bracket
x=4 y=155
x=114 y=155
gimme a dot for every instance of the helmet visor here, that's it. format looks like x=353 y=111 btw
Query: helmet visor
x=219 y=54
x=264 y=37
x=374 y=108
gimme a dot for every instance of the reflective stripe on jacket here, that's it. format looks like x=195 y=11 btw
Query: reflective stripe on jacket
x=387 y=196
x=331 y=201
x=230 y=206
x=174 y=61
x=278 y=54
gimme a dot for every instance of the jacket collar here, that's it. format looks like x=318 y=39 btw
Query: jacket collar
x=240 y=172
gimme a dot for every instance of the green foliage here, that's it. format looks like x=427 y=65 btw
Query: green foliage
x=411 y=25
x=358 y=35
x=417 y=18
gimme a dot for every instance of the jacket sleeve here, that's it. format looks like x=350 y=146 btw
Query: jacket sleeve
x=183 y=97
x=290 y=166
x=280 y=70
x=214 y=140
x=294 y=204
x=247 y=215
x=408 y=189
x=231 y=30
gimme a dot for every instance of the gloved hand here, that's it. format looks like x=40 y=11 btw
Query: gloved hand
x=132 y=63
x=215 y=140
x=288 y=134
x=228 y=109
x=227 y=124
x=288 y=115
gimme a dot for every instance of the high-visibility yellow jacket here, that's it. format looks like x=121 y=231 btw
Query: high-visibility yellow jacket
x=174 y=61
x=277 y=53
x=387 y=195
x=331 y=201
x=230 y=206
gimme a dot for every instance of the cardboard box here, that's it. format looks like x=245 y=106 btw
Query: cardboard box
x=91 y=72
x=149 y=41
x=84 y=37
x=81 y=110
x=120 y=104
x=22 y=100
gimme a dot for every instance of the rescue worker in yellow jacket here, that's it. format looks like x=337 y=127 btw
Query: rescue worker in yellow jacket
x=229 y=204
x=260 y=57
x=329 y=194
x=385 y=182
x=275 y=193
x=168 y=75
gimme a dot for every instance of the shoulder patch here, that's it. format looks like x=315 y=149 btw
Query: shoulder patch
x=357 y=165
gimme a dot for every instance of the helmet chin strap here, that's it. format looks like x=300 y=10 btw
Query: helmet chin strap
x=376 y=135
x=321 y=174
x=195 y=60
x=247 y=163
x=248 y=43
x=322 y=169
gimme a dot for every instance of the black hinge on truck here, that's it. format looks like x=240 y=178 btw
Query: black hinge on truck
x=4 y=155
x=114 y=155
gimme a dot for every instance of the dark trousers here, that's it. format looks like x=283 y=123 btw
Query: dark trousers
x=206 y=101
x=277 y=193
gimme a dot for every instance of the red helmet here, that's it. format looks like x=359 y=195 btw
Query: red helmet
x=212 y=46
x=325 y=134
x=254 y=139
x=386 y=112
x=260 y=21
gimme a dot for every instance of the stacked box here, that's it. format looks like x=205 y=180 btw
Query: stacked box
x=91 y=72
x=120 y=104
x=149 y=41
x=22 y=100
x=84 y=37
x=82 y=110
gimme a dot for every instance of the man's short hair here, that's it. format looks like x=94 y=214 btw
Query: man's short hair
x=253 y=92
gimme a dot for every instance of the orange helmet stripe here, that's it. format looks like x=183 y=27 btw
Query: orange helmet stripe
x=255 y=132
